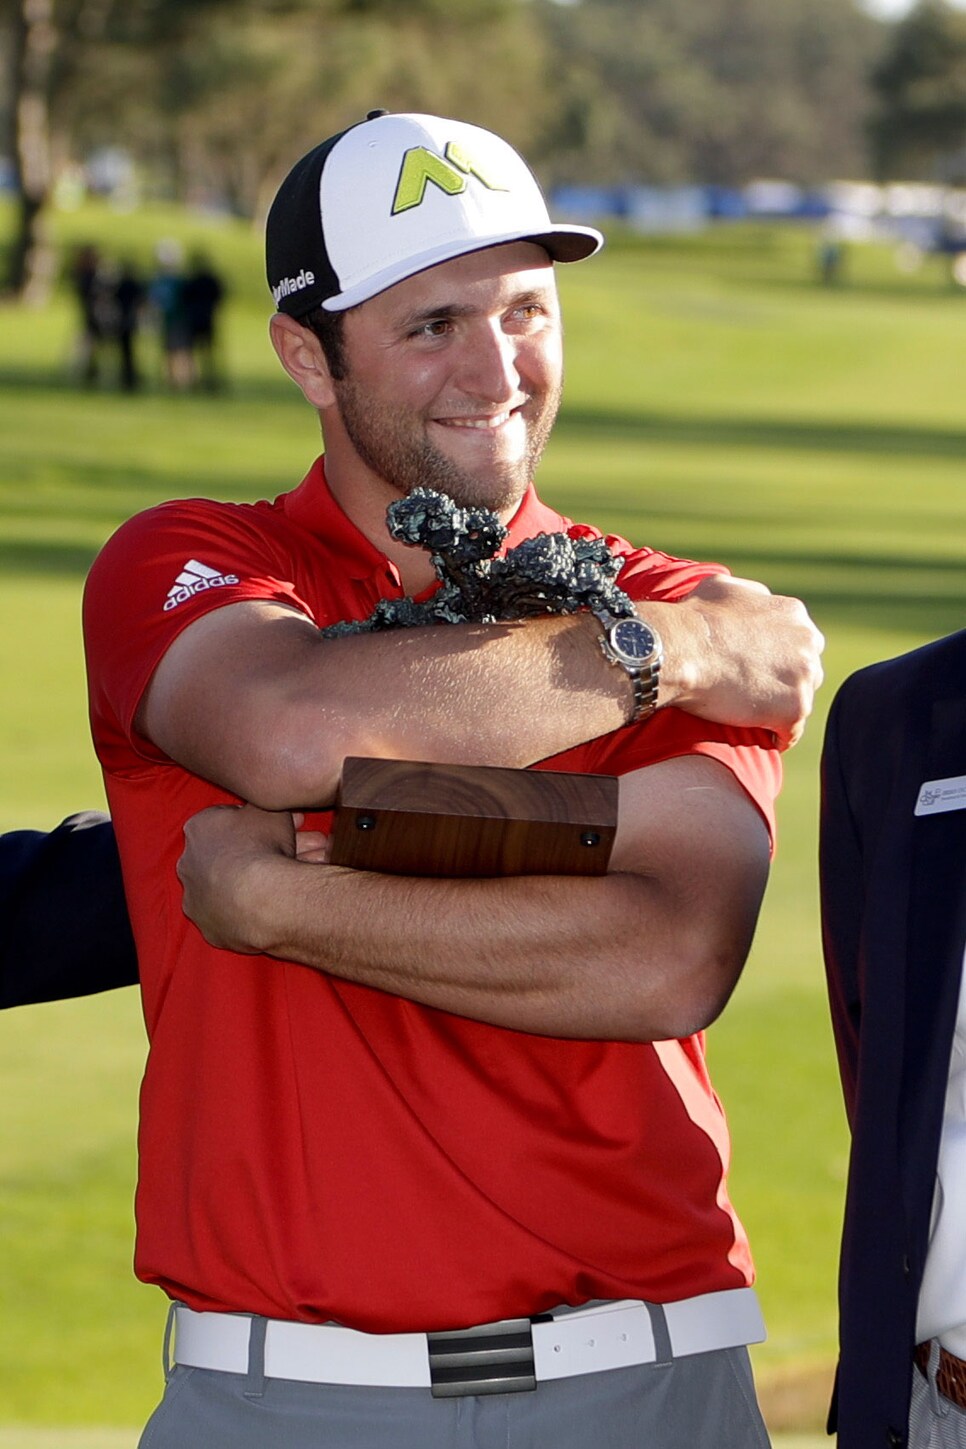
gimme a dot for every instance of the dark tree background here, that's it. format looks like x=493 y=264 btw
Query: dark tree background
x=919 y=126
x=710 y=90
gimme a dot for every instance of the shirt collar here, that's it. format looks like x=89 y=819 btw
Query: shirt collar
x=312 y=506
x=531 y=518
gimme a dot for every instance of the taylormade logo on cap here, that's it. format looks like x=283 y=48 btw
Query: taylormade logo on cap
x=395 y=195
x=288 y=285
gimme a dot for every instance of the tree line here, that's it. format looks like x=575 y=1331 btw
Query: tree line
x=216 y=97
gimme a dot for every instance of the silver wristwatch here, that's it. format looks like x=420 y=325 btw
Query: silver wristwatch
x=635 y=647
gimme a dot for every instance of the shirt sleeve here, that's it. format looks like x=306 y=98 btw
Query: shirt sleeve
x=751 y=755
x=646 y=573
x=161 y=571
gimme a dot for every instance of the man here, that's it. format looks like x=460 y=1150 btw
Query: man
x=893 y=863
x=489 y=1101
x=64 y=929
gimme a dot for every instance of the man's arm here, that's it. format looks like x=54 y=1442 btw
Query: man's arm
x=64 y=928
x=650 y=951
x=295 y=704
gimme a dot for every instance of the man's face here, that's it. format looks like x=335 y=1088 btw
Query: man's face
x=454 y=377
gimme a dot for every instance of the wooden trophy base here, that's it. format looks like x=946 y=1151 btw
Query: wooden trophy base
x=410 y=818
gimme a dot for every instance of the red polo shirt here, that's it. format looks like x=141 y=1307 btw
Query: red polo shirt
x=318 y=1150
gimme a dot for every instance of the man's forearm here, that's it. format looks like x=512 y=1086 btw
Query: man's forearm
x=511 y=695
x=514 y=953
x=646 y=952
x=472 y=694
x=487 y=695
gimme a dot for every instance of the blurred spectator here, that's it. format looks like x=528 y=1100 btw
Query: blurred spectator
x=204 y=293
x=166 y=295
x=830 y=259
x=92 y=287
x=130 y=295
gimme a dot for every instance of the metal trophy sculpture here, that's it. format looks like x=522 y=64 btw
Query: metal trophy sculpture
x=413 y=818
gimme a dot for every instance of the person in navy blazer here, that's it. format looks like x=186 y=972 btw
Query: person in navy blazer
x=64 y=928
x=894 y=925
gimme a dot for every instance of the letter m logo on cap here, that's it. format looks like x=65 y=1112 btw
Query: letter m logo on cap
x=449 y=174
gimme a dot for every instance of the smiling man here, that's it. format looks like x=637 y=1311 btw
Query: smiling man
x=447 y=1168
x=454 y=385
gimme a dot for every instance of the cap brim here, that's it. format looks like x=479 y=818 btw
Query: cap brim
x=563 y=244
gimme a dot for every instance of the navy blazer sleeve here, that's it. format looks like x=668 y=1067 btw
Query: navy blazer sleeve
x=64 y=928
x=840 y=846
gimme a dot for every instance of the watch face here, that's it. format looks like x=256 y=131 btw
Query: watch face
x=633 y=639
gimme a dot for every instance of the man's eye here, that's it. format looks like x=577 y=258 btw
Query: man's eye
x=437 y=328
x=529 y=311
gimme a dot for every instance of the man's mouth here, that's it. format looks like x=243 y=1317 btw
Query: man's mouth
x=481 y=424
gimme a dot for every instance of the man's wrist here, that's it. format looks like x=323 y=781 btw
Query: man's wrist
x=686 y=667
x=236 y=907
x=261 y=910
x=631 y=644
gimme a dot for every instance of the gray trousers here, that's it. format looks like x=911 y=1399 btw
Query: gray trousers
x=703 y=1401
x=934 y=1423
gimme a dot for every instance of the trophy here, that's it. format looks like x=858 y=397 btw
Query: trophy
x=408 y=817
x=411 y=818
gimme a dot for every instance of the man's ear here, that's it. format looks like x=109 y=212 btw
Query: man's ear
x=300 y=353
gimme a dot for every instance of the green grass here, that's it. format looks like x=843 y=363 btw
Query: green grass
x=718 y=403
x=101 y=1437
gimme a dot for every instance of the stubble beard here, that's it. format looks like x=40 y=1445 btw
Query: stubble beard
x=391 y=446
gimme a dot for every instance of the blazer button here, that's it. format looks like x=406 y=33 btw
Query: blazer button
x=895 y=1439
x=906 y=1265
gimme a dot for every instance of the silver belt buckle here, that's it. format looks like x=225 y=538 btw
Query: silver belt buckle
x=495 y=1358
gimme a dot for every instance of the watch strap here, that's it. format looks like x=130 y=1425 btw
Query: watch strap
x=645 y=682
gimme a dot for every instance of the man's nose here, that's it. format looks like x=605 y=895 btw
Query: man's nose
x=489 y=367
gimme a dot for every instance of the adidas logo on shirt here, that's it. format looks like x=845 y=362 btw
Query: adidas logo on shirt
x=193 y=579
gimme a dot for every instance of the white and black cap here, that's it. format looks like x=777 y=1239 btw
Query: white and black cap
x=394 y=195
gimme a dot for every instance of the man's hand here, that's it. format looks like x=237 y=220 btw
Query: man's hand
x=222 y=867
x=738 y=654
